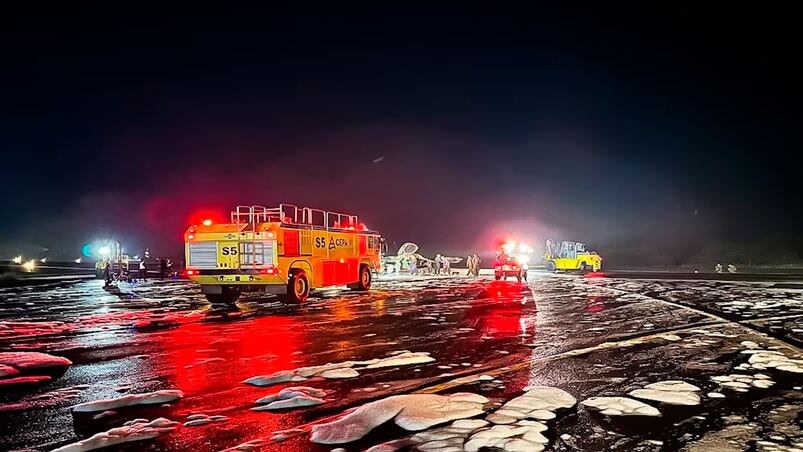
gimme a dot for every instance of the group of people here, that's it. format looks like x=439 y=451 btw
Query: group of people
x=473 y=264
x=123 y=273
x=442 y=265
x=438 y=266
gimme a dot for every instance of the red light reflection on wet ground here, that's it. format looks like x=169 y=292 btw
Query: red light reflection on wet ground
x=595 y=304
x=209 y=361
x=501 y=314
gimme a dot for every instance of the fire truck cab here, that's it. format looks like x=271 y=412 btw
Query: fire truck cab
x=284 y=250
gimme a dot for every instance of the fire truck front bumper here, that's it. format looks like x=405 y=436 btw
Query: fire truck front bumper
x=508 y=270
x=206 y=281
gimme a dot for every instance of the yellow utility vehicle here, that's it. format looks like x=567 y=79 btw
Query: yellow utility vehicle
x=570 y=256
x=285 y=250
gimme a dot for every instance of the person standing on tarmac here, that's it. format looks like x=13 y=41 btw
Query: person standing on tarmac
x=476 y=265
x=413 y=265
x=107 y=273
x=438 y=264
x=143 y=272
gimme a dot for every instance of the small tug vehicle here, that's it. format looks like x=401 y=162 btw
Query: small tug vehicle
x=571 y=256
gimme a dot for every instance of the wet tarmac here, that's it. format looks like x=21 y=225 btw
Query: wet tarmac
x=736 y=342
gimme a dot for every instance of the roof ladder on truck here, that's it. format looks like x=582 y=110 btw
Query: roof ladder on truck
x=250 y=249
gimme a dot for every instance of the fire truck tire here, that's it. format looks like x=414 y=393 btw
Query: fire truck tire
x=497 y=276
x=297 y=287
x=365 y=280
x=229 y=295
x=550 y=266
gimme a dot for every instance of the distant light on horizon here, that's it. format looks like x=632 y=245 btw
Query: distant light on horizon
x=29 y=266
x=17 y=260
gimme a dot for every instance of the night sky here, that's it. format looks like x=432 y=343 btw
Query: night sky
x=671 y=132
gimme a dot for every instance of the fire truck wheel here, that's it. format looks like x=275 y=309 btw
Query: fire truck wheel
x=229 y=295
x=297 y=287
x=550 y=266
x=497 y=276
x=365 y=279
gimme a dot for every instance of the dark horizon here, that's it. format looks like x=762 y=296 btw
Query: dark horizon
x=651 y=133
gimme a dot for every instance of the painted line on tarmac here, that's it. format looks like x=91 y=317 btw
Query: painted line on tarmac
x=568 y=354
x=608 y=345
x=780 y=317
x=743 y=323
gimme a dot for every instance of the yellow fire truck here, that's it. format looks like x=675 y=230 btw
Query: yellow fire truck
x=285 y=250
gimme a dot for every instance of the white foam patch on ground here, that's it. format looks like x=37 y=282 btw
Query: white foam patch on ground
x=403 y=358
x=410 y=412
x=542 y=398
x=148 y=398
x=31 y=379
x=293 y=391
x=668 y=397
x=442 y=439
x=766 y=359
x=673 y=385
x=508 y=437
x=335 y=374
x=282 y=376
x=25 y=361
x=294 y=397
x=671 y=392
x=620 y=406
x=510 y=428
x=293 y=402
x=137 y=431
x=515 y=431
x=743 y=382
x=195 y=420
x=7 y=371
x=342 y=370
x=309 y=372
